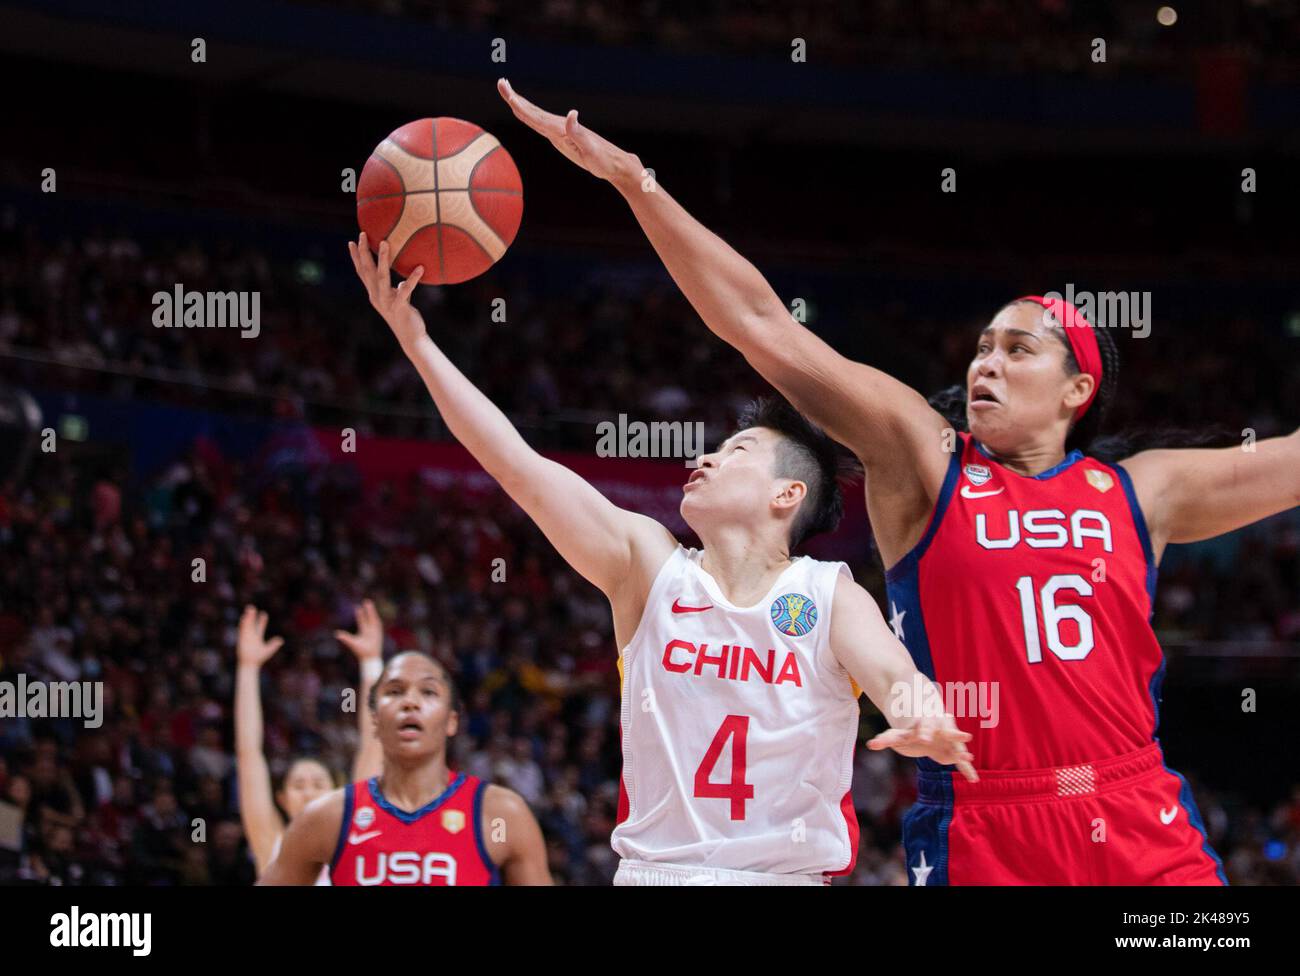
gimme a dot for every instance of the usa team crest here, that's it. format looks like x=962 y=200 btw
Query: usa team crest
x=794 y=614
x=1100 y=480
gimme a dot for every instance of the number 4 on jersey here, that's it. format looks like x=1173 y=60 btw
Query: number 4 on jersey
x=735 y=728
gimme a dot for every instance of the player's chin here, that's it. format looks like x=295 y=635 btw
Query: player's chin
x=414 y=746
x=988 y=426
x=692 y=511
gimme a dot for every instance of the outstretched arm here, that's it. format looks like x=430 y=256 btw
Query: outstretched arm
x=919 y=726
x=257 y=812
x=601 y=541
x=868 y=411
x=367 y=646
x=1190 y=494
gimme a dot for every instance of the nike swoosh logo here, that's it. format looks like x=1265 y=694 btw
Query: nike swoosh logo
x=355 y=838
x=1167 y=816
x=968 y=492
x=678 y=608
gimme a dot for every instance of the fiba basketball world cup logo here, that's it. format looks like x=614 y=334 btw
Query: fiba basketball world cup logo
x=794 y=614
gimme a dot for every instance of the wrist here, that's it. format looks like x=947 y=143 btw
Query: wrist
x=628 y=174
x=411 y=344
x=372 y=668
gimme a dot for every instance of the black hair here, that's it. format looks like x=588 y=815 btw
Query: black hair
x=452 y=690
x=807 y=454
x=282 y=780
x=1086 y=434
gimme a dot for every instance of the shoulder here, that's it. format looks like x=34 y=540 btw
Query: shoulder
x=507 y=825
x=1151 y=467
x=1155 y=476
x=316 y=828
x=652 y=543
x=323 y=814
x=851 y=599
x=498 y=801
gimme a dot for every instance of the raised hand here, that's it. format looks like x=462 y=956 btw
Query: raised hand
x=934 y=736
x=368 y=642
x=598 y=156
x=252 y=647
x=394 y=304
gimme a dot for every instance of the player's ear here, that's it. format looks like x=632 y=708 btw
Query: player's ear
x=791 y=494
x=453 y=723
x=1081 y=387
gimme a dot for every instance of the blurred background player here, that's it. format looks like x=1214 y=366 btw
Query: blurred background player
x=417 y=822
x=306 y=778
x=737 y=761
x=1074 y=789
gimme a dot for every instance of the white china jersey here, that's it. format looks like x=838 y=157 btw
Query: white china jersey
x=738 y=726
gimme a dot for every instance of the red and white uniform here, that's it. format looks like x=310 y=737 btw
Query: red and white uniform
x=738 y=732
x=1029 y=601
x=441 y=844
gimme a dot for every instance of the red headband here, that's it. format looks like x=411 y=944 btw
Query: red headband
x=1080 y=334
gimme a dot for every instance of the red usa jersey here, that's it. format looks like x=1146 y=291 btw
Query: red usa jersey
x=439 y=844
x=738 y=726
x=1029 y=601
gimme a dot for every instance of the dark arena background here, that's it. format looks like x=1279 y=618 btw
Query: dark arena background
x=898 y=176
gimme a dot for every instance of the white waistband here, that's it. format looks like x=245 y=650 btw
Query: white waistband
x=632 y=872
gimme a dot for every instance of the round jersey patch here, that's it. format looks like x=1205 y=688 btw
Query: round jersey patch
x=794 y=614
x=364 y=817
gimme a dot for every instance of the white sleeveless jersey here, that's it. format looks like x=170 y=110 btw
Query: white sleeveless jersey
x=738 y=727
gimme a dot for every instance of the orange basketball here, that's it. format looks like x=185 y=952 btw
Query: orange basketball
x=444 y=194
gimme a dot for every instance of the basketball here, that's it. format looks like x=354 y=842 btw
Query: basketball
x=444 y=194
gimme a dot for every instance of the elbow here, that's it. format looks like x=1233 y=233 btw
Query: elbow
x=764 y=327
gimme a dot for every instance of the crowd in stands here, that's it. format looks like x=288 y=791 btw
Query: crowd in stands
x=96 y=577
x=98 y=585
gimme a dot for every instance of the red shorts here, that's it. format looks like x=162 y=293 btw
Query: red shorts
x=1122 y=821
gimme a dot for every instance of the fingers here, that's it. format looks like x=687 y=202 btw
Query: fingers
x=890 y=738
x=923 y=731
x=546 y=123
x=273 y=645
x=372 y=615
x=582 y=138
x=403 y=293
x=347 y=640
x=385 y=279
x=968 y=771
x=364 y=262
